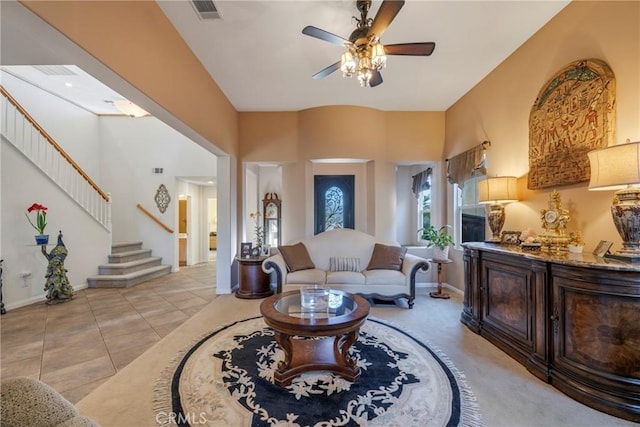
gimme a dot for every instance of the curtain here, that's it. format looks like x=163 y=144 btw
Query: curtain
x=466 y=164
x=421 y=182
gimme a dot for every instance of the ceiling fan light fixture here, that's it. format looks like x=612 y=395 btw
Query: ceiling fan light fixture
x=379 y=58
x=347 y=64
x=364 y=70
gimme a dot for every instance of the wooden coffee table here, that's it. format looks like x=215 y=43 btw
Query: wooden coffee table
x=296 y=332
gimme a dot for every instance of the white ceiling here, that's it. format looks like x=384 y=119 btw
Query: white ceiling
x=262 y=62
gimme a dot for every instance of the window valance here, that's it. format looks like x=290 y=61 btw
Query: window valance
x=466 y=164
x=421 y=182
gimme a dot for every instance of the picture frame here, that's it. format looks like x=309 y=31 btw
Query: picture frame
x=510 y=237
x=602 y=248
x=266 y=251
x=245 y=249
x=255 y=252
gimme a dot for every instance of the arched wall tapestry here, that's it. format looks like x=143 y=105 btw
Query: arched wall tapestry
x=574 y=113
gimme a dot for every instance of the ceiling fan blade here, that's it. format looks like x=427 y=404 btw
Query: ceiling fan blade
x=324 y=73
x=413 y=49
x=376 y=79
x=387 y=12
x=312 y=31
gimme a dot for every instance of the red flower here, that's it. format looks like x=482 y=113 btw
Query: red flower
x=41 y=217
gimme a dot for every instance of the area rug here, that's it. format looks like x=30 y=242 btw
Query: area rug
x=226 y=379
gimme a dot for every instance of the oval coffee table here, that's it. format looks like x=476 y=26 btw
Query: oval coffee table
x=296 y=332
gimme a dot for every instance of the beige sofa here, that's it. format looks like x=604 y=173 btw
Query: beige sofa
x=345 y=259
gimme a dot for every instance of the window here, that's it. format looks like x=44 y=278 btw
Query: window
x=472 y=213
x=424 y=208
x=334 y=197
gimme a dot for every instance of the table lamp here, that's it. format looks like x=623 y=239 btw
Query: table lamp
x=496 y=192
x=618 y=168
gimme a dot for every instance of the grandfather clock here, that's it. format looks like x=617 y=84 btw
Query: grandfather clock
x=272 y=214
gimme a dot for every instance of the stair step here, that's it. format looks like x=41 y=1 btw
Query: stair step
x=120 y=247
x=128 y=267
x=129 y=279
x=129 y=256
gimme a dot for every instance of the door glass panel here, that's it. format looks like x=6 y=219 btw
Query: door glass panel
x=334 y=202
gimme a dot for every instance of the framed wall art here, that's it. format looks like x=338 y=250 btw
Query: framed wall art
x=573 y=114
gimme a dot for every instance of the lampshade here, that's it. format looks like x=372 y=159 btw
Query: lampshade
x=500 y=189
x=615 y=167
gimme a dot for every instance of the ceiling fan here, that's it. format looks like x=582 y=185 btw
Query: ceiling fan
x=365 y=55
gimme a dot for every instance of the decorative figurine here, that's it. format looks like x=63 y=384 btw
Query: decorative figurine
x=57 y=285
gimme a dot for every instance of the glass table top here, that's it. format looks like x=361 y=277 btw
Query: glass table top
x=338 y=304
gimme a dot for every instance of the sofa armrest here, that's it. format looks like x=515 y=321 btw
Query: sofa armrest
x=410 y=267
x=276 y=264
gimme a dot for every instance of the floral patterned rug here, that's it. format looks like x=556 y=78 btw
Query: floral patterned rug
x=226 y=379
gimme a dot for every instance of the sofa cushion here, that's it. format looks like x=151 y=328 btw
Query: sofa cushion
x=344 y=264
x=384 y=277
x=308 y=276
x=351 y=277
x=386 y=257
x=296 y=257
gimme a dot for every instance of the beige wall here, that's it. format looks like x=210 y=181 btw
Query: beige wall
x=498 y=108
x=379 y=138
x=147 y=51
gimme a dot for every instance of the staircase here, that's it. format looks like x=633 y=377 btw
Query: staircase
x=129 y=265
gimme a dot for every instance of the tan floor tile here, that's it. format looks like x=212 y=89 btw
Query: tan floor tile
x=123 y=357
x=21 y=352
x=190 y=311
x=63 y=357
x=167 y=328
x=161 y=319
x=80 y=338
x=124 y=328
x=121 y=342
x=157 y=310
x=118 y=319
x=77 y=375
x=76 y=394
x=190 y=302
x=11 y=340
x=66 y=327
x=21 y=368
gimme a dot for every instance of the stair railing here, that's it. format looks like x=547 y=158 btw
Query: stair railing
x=153 y=217
x=21 y=130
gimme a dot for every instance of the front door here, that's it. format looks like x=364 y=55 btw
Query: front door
x=334 y=201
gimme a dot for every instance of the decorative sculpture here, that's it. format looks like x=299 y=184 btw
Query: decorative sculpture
x=57 y=285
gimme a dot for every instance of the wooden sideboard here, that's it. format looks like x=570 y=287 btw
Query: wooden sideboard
x=572 y=319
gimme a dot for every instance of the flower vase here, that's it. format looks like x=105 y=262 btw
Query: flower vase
x=42 y=239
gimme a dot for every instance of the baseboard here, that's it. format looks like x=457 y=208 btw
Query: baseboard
x=38 y=298
x=424 y=285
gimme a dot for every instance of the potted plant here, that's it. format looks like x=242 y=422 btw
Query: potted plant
x=40 y=223
x=439 y=239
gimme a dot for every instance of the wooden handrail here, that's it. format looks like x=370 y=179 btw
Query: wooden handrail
x=53 y=143
x=150 y=215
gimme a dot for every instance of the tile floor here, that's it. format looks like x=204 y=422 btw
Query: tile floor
x=76 y=346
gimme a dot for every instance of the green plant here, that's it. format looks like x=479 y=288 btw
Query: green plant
x=41 y=217
x=438 y=237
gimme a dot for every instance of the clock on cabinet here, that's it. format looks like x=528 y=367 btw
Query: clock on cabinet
x=272 y=215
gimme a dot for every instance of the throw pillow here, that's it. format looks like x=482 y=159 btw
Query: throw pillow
x=386 y=257
x=296 y=257
x=344 y=264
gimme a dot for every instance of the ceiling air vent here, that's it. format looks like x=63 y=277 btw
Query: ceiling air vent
x=206 y=9
x=55 y=70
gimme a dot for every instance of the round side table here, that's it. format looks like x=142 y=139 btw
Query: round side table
x=253 y=282
x=439 y=293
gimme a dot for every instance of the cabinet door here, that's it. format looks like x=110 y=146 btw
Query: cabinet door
x=596 y=338
x=471 y=300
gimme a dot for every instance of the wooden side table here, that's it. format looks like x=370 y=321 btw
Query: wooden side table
x=253 y=282
x=439 y=293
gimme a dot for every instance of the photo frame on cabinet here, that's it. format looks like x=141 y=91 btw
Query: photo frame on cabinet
x=266 y=250
x=510 y=237
x=245 y=249
x=602 y=248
